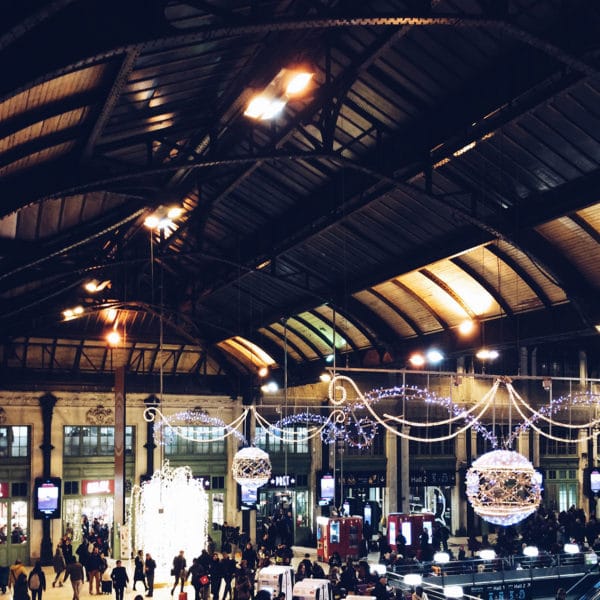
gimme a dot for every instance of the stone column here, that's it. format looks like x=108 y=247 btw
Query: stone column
x=535 y=458
x=459 y=499
x=582 y=453
x=523 y=367
x=391 y=475
x=47 y=403
x=522 y=446
x=404 y=472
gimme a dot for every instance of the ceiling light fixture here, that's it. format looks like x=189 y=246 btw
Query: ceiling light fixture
x=270 y=388
x=93 y=286
x=466 y=327
x=263 y=371
x=486 y=354
x=417 y=360
x=72 y=313
x=434 y=356
x=162 y=219
x=113 y=338
x=288 y=84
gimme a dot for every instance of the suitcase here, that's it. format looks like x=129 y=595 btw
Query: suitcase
x=4 y=572
x=106 y=586
x=182 y=595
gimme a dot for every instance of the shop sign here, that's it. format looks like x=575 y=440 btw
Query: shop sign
x=430 y=477
x=3 y=489
x=98 y=486
x=368 y=478
x=282 y=481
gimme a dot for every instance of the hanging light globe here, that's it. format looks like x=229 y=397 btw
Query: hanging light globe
x=251 y=467
x=503 y=487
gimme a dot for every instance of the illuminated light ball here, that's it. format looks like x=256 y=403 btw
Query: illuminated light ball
x=417 y=360
x=503 y=487
x=251 y=467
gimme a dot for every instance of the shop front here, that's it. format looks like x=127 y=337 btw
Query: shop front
x=15 y=509
x=14 y=522
x=88 y=506
x=284 y=509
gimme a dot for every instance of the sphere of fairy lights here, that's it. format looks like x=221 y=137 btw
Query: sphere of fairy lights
x=503 y=487
x=251 y=467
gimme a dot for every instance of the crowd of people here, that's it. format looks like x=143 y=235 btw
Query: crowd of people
x=216 y=574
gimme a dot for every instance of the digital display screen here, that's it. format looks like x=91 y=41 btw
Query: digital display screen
x=595 y=481
x=392 y=532
x=327 y=487
x=367 y=514
x=334 y=538
x=249 y=497
x=47 y=498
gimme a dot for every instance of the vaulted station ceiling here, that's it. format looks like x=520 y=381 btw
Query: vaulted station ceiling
x=443 y=167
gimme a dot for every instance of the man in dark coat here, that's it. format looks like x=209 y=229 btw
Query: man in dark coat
x=149 y=568
x=120 y=579
x=178 y=571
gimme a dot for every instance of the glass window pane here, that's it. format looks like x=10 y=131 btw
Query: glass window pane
x=19 y=520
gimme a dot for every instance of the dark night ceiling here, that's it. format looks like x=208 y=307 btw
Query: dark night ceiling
x=445 y=166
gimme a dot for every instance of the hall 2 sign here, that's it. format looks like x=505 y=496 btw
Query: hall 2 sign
x=91 y=487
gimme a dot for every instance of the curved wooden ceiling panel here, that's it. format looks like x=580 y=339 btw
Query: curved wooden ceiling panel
x=577 y=237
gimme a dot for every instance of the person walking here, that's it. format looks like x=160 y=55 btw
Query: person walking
x=138 y=570
x=228 y=571
x=216 y=576
x=58 y=563
x=14 y=572
x=120 y=579
x=178 y=571
x=94 y=569
x=36 y=581
x=149 y=568
x=20 y=587
x=74 y=571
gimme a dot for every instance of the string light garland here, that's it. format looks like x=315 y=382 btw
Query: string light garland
x=354 y=431
x=179 y=424
x=471 y=418
x=342 y=422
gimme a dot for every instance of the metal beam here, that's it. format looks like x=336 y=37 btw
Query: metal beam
x=111 y=100
x=522 y=273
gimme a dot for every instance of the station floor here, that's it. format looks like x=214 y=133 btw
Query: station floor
x=162 y=586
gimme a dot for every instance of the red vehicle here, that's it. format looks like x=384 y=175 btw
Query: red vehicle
x=339 y=534
x=411 y=526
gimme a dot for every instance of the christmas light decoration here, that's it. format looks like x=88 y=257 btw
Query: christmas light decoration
x=169 y=513
x=471 y=417
x=503 y=487
x=182 y=422
x=251 y=467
